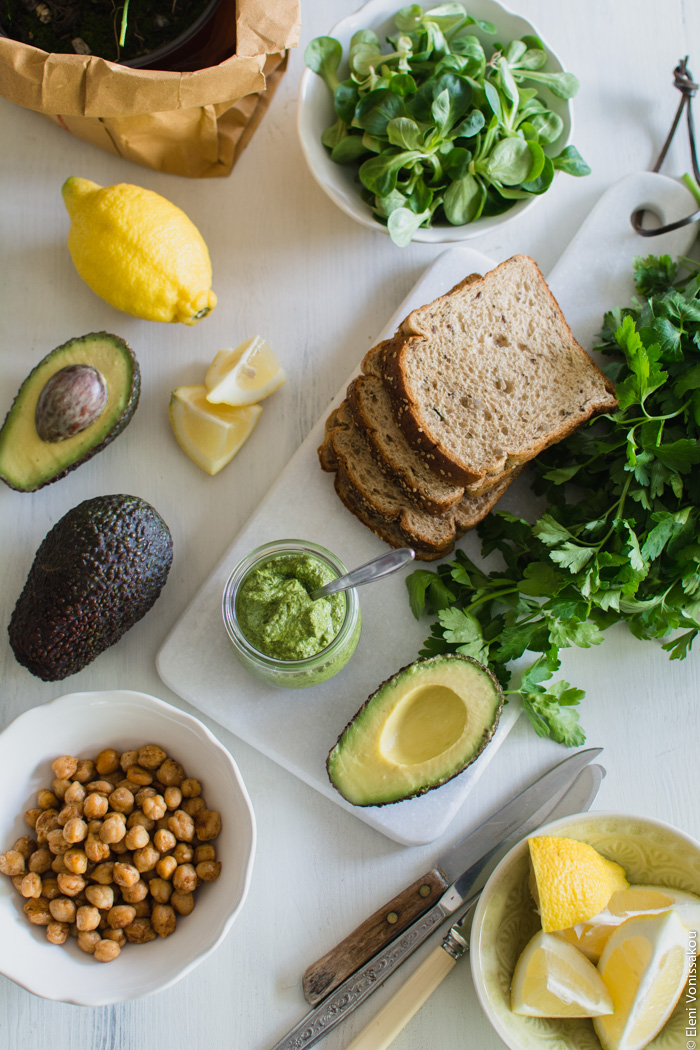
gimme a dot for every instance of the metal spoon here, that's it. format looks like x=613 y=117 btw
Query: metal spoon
x=371 y=570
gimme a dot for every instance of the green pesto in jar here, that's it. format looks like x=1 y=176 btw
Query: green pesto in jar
x=275 y=612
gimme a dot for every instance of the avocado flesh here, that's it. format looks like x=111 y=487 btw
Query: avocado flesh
x=421 y=727
x=26 y=462
x=96 y=573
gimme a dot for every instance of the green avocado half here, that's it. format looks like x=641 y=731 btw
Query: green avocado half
x=420 y=728
x=96 y=573
x=71 y=406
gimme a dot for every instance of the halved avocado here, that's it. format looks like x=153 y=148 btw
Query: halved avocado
x=86 y=391
x=420 y=728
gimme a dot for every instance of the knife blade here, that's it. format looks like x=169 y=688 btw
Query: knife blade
x=464 y=860
x=381 y=1031
x=361 y=983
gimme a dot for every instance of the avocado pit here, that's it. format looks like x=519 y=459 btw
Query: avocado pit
x=71 y=401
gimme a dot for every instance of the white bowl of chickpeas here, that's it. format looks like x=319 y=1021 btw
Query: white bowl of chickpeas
x=124 y=824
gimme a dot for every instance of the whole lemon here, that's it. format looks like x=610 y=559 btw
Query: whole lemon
x=138 y=251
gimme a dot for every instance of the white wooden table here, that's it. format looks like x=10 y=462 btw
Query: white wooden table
x=288 y=264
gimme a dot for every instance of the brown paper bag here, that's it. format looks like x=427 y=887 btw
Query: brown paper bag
x=194 y=124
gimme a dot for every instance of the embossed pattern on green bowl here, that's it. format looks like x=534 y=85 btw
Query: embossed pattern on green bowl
x=650 y=851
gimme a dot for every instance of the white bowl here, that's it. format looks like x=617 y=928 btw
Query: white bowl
x=315 y=113
x=82 y=724
x=651 y=852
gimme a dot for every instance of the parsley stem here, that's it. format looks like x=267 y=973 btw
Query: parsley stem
x=490 y=597
x=690 y=184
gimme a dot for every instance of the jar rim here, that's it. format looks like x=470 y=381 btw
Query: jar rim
x=268 y=552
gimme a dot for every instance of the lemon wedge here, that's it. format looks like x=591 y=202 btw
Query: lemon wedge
x=211 y=435
x=592 y=936
x=244 y=375
x=553 y=979
x=572 y=881
x=645 y=965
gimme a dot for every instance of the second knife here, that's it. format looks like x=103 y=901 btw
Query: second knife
x=465 y=860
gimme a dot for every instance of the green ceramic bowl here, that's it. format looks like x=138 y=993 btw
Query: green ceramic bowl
x=650 y=851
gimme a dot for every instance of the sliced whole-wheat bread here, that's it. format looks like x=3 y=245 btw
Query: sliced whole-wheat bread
x=373 y=411
x=375 y=498
x=487 y=376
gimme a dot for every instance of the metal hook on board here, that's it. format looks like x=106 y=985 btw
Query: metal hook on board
x=683 y=81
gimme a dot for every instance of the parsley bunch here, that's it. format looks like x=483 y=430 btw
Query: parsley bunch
x=619 y=539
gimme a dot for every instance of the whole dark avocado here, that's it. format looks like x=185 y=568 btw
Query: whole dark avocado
x=417 y=730
x=71 y=406
x=96 y=573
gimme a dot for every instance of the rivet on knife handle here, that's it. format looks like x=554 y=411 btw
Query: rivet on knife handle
x=323 y=976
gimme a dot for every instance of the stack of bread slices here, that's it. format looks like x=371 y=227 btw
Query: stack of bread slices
x=446 y=412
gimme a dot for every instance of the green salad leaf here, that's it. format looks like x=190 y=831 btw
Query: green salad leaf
x=457 y=130
x=618 y=540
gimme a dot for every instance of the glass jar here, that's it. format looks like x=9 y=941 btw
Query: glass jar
x=294 y=673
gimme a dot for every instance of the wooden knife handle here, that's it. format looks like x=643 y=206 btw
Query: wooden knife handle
x=374 y=934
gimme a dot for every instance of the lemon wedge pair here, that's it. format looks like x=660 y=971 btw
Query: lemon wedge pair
x=639 y=936
x=212 y=420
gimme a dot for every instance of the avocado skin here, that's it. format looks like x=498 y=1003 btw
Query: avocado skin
x=96 y=573
x=26 y=391
x=441 y=776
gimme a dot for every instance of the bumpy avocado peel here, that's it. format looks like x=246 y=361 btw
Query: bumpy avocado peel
x=26 y=462
x=360 y=770
x=96 y=573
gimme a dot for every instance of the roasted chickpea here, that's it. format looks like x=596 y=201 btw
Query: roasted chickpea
x=70 y=811
x=31 y=816
x=70 y=884
x=56 y=842
x=115 y=935
x=85 y=770
x=171 y=773
x=12 y=862
x=76 y=861
x=137 y=837
x=145 y=792
x=113 y=828
x=207 y=825
x=88 y=940
x=58 y=865
x=120 y=847
x=128 y=758
x=95 y=848
x=160 y=890
x=75 y=793
x=143 y=909
x=145 y=859
x=40 y=860
x=173 y=797
x=139 y=776
x=183 y=903
x=49 y=888
x=75 y=830
x=163 y=919
x=193 y=806
x=95 y=806
x=37 y=911
x=138 y=891
x=106 y=950
x=185 y=878
x=31 y=885
x=107 y=761
x=208 y=870
x=140 y=931
x=191 y=787
x=154 y=807
x=57 y=932
x=26 y=845
x=62 y=909
x=125 y=874
x=166 y=866
x=182 y=825
x=101 y=787
x=46 y=821
x=101 y=897
x=121 y=800
x=151 y=756
x=139 y=817
x=164 y=840
x=46 y=799
x=121 y=915
x=183 y=853
x=59 y=787
x=87 y=917
x=103 y=873
x=64 y=767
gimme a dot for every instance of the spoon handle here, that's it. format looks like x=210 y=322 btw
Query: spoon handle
x=371 y=570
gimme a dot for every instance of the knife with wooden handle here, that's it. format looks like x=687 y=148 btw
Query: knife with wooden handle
x=464 y=861
x=381 y=1031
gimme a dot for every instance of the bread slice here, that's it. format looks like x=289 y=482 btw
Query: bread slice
x=381 y=504
x=403 y=453
x=490 y=374
x=373 y=411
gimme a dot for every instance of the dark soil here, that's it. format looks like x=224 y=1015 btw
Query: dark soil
x=93 y=26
